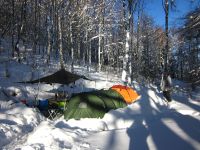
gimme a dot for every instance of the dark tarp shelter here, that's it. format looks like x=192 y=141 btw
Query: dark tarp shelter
x=62 y=76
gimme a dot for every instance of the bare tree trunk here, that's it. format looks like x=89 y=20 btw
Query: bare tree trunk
x=126 y=61
x=39 y=26
x=13 y=27
x=60 y=42
x=72 y=48
x=101 y=35
x=166 y=36
x=35 y=28
x=25 y=22
x=79 y=44
x=49 y=40
x=54 y=26
x=90 y=55
x=99 y=49
x=137 y=57
x=50 y=22
x=87 y=50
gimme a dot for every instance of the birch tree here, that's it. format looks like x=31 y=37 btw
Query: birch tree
x=166 y=4
x=60 y=42
x=13 y=27
x=128 y=8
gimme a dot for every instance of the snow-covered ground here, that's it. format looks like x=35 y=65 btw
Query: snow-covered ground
x=149 y=123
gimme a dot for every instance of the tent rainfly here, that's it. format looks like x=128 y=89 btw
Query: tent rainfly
x=127 y=93
x=96 y=103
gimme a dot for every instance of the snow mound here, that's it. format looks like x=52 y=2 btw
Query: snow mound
x=16 y=122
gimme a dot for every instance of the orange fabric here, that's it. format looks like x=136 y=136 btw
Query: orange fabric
x=127 y=93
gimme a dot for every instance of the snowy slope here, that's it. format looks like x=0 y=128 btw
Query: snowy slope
x=149 y=123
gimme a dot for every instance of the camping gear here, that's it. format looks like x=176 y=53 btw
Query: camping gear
x=128 y=94
x=23 y=101
x=51 y=104
x=29 y=103
x=62 y=76
x=51 y=108
x=61 y=104
x=43 y=104
x=93 y=104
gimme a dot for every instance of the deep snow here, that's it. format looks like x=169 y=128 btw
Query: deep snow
x=149 y=123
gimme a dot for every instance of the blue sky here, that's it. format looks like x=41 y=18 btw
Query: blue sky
x=154 y=8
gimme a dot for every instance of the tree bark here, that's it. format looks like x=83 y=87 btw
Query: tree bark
x=166 y=36
x=72 y=48
x=49 y=39
x=126 y=60
x=60 y=42
x=99 y=48
x=35 y=27
x=13 y=27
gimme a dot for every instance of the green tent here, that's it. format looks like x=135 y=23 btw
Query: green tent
x=93 y=104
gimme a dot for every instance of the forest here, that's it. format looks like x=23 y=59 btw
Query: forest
x=99 y=74
x=109 y=35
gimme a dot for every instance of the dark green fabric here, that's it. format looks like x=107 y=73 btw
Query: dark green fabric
x=93 y=104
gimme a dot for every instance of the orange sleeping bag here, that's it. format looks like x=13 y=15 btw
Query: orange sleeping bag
x=127 y=93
